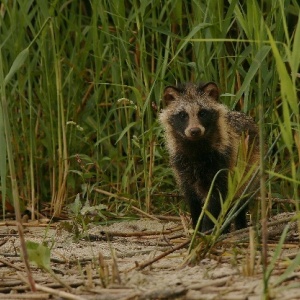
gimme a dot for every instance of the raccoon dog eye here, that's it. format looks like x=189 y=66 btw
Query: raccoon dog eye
x=203 y=113
x=182 y=115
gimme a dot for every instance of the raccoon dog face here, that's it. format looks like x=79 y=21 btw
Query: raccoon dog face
x=192 y=111
x=194 y=122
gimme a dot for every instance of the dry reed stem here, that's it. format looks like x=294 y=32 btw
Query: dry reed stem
x=51 y=291
x=157 y=258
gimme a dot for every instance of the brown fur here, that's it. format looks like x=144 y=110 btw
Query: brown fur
x=203 y=136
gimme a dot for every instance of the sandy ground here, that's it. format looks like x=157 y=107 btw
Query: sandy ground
x=109 y=266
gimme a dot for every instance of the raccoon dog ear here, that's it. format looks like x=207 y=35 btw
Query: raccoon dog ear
x=170 y=94
x=212 y=90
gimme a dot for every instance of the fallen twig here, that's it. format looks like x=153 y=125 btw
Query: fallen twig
x=29 y=224
x=168 y=218
x=165 y=293
x=216 y=282
x=29 y=296
x=51 y=291
x=139 y=233
x=4 y=261
x=244 y=233
x=149 y=262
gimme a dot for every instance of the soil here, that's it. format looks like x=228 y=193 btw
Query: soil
x=117 y=261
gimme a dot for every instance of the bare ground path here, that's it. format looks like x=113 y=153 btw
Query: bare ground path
x=112 y=266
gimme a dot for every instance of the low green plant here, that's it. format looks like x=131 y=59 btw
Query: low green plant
x=82 y=214
x=39 y=254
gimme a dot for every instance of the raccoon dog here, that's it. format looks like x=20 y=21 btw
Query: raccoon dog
x=202 y=137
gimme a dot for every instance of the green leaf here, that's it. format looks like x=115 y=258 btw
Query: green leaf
x=125 y=130
x=17 y=64
x=277 y=253
x=295 y=59
x=256 y=64
x=291 y=268
x=76 y=206
x=38 y=254
x=287 y=88
x=289 y=179
x=87 y=209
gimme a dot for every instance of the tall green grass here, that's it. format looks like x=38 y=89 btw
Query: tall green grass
x=80 y=107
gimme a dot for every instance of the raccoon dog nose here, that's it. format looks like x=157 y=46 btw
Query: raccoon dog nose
x=195 y=131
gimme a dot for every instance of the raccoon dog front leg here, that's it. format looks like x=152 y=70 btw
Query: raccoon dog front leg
x=196 y=205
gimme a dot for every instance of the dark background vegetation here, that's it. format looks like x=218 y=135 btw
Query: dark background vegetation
x=81 y=85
